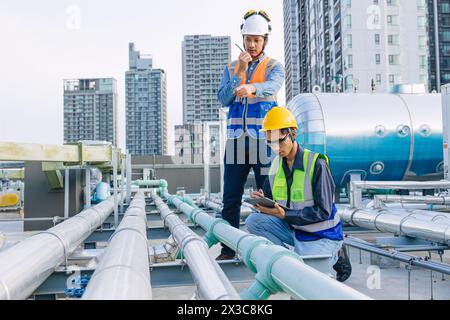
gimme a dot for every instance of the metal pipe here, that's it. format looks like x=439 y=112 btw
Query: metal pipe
x=400 y=256
x=379 y=200
x=245 y=210
x=211 y=281
x=123 y=272
x=278 y=269
x=357 y=186
x=397 y=223
x=25 y=266
x=151 y=183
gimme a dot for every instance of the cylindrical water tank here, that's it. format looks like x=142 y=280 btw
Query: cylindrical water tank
x=382 y=137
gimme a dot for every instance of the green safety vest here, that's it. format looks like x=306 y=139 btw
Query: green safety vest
x=301 y=190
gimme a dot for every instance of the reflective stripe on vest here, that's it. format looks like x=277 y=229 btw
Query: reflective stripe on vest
x=301 y=190
x=248 y=114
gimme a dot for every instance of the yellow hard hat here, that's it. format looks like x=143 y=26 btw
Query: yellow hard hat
x=278 y=118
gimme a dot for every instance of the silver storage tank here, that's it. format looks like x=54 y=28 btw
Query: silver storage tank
x=382 y=137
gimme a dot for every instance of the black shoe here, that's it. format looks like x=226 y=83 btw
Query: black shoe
x=343 y=266
x=224 y=257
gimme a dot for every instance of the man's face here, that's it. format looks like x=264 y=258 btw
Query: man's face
x=254 y=45
x=279 y=142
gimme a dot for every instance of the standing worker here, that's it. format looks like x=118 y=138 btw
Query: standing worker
x=301 y=182
x=249 y=88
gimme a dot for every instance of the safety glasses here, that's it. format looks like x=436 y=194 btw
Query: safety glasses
x=260 y=12
x=279 y=141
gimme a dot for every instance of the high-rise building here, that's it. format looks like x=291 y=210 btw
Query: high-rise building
x=90 y=110
x=146 y=106
x=189 y=142
x=358 y=45
x=204 y=59
x=439 y=40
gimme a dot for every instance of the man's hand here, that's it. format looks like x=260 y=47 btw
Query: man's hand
x=245 y=91
x=277 y=211
x=258 y=194
x=244 y=59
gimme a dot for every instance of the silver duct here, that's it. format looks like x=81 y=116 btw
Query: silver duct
x=25 y=266
x=123 y=272
x=211 y=281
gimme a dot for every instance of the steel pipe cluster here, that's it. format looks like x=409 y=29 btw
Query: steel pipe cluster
x=277 y=268
x=123 y=271
x=411 y=224
x=211 y=281
x=25 y=266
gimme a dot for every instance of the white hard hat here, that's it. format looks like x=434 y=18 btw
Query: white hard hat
x=256 y=23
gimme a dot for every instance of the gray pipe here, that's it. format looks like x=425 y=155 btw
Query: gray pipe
x=277 y=268
x=380 y=199
x=211 y=281
x=25 y=266
x=245 y=210
x=357 y=186
x=123 y=272
x=397 y=223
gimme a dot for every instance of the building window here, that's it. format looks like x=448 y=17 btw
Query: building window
x=378 y=78
x=392 y=20
x=394 y=59
x=350 y=61
x=349 y=41
x=348 y=20
x=393 y=39
x=377 y=38
x=377 y=58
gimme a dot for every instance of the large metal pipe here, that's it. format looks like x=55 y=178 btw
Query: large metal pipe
x=123 y=272
x=357 y=186
x=211 y=281
x=397 y=223
x=25 y=266
x=245 y=210
x=277 y=268
x=379 y=200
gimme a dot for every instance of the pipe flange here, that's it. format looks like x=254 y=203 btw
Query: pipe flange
x=246 y=257
x=239 y=241
x=188 y=239
x=164 y=219
x=210 y=237
x=128 y=229
x=193 y=214
x=61 y=239
x=265 y=274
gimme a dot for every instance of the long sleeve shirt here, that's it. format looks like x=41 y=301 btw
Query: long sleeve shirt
x=274 y=81
x=323 y=192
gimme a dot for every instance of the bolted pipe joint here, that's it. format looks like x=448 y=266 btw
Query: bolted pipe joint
x=193 y=214
x=265 y=258
x=245 y=246
x=209 y=236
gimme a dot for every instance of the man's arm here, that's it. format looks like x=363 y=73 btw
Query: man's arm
x=274 y=82
x=225 y=94
x=323 y=191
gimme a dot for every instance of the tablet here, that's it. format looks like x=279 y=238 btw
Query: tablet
x=265 y=202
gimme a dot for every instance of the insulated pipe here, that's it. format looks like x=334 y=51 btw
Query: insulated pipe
x=246 y=210
x=211 y=281
x=25 y=266
x=151 y=183
x=380 y=199
x=357 y=186
x=397 y=223
x=432 y=216
x=278 y=269
x=123 y=272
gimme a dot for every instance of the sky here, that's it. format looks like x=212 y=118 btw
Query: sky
x=44 y=42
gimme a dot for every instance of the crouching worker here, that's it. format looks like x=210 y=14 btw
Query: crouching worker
x=299 y=180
